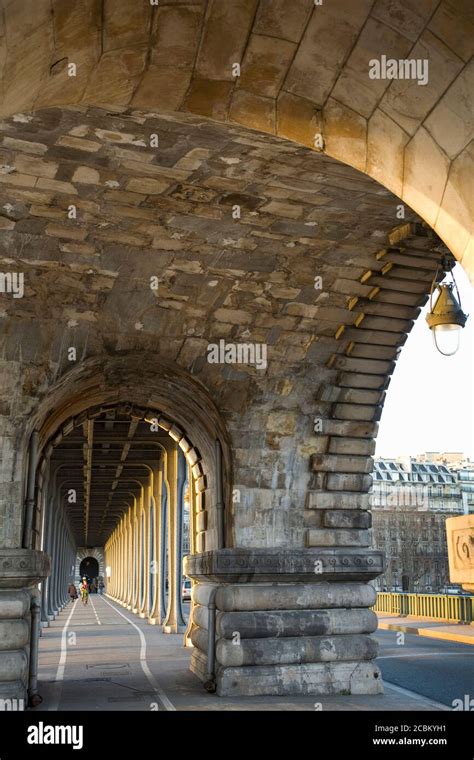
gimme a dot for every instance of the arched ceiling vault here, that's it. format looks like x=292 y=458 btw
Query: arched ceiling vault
x=303 y=73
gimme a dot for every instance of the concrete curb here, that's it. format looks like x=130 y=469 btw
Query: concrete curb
x=431 y=634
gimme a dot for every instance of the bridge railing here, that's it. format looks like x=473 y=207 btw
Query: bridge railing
x=444 y=607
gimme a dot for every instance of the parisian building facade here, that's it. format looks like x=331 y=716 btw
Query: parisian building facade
x=411 y=499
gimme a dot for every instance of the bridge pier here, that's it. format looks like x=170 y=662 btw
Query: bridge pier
x=287 y=621
x=22 y=570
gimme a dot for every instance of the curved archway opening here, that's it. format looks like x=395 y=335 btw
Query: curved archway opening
x=89 y=569
x=129 y=481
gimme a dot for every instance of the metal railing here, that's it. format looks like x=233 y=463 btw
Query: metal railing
x=443 y=607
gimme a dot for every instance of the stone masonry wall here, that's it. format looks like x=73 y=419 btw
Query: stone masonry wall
x=128 y=244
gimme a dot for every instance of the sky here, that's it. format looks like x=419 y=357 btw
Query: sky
x=429 y=403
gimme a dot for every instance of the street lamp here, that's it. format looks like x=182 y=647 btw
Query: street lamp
x=446 y=317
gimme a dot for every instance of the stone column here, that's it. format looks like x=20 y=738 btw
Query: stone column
x=122 y=561
x=174 y=622
x=193 y=505
x=157 y=613
x=54 y=557
x=128 y=561
x=115 y=569
x=140 y=531
x=163 y=544
x=288 y=621
x=22 y=570
x=47 y=582
x=145 y=602
x=135 y=557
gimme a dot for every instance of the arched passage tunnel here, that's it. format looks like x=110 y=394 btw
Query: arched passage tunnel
x=254 y=240
x=120 y=485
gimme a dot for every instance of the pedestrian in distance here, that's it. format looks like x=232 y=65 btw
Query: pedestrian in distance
x=84 y=591
x=72 y=591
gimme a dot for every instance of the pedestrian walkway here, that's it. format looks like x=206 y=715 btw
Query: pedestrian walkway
x=434 y=629
x=102 y=657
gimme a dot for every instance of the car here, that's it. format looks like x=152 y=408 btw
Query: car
x=186 y=589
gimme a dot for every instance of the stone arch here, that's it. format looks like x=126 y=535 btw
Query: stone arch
x=166 y=395
x=339 y=345
x=90 y=289
x=416 y=141
x=92 y=551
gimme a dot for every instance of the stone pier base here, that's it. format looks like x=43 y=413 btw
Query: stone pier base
x=22 y=570
x=283 y=629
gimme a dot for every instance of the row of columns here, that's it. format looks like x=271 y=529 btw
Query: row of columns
x=143 y=556
x=58 y=542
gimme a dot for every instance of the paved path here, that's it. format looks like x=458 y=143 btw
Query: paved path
x=102 y=657
x=440 y=670
x=433 y=629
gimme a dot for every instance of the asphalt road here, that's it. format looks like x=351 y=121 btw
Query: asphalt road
x=440 y=670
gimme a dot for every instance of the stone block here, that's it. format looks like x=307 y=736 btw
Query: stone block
x=278 y=19
x=363 y=380
x=453 y=23
x=14 y=634
x=147 y=185
x=288 y=596
x=348 y=428
x=358 y=446
x=201 y=521
x=21 y=569
x=356 y=412
x=342 y=518
x=70 y=232
x=253 y=111
x=386 y=166
x=355 y=88
x=300 y=680
x=343 y=481
x=265 y=624
x=337 y=537
x=406 y=102
x=426 y=172
x=210 y=98
x=345 y=134
x=26 y=164
x=14 y=665
x=293 y=651
x=408 y=18
x=456 y=212
x=340 y=463
x=176 y=33
x=79 y=143
x=198 y=663
x=228 y=20
x=86 y=175
x=14 y=604
x=125 y=24
x=265 y=65
x=326 y=43
x=298 y=119
x=284 y=565
x=165 y=85
x=368 y=367
x=116 y=76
